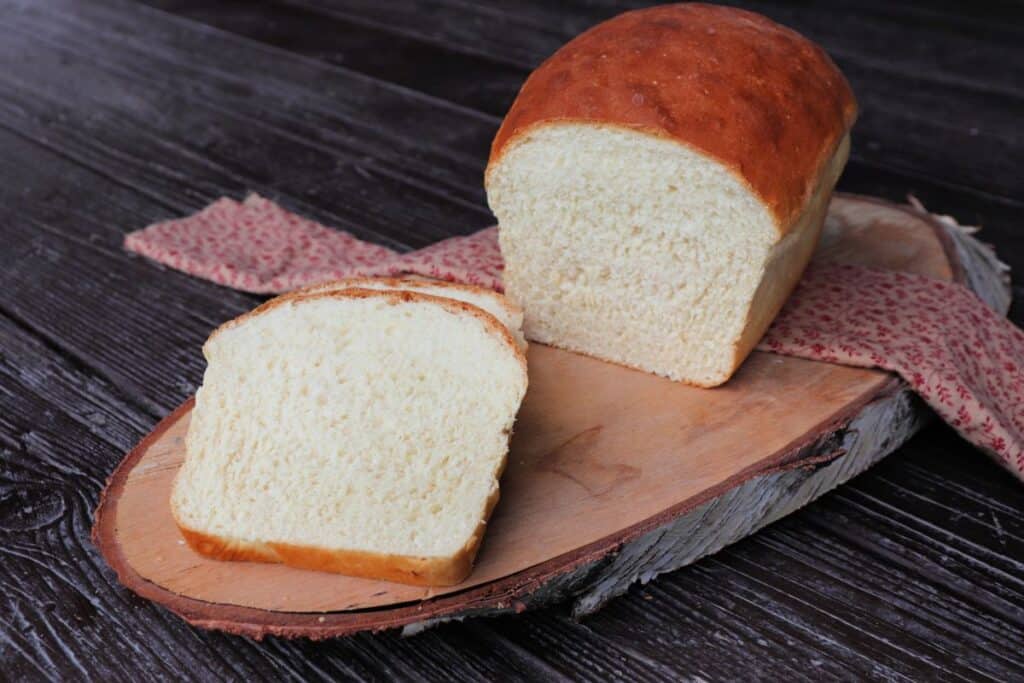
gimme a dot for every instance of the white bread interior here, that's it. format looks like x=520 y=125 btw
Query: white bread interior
x=501 y=307
x=361 y=432
x=640 y=250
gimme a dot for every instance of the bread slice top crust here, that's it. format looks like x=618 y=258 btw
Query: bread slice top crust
x=500 y=306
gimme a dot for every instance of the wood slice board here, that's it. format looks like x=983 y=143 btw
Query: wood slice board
x=601 y=456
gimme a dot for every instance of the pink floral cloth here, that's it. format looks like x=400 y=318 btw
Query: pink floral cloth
x=962 y=358
x=259 y=247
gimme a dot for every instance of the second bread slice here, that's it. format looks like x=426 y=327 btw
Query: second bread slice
x=501 y=307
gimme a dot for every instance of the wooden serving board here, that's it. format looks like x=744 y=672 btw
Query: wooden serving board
x=607 y=464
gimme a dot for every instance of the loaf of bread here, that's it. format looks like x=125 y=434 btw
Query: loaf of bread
x=661 y=181
x=354 y=430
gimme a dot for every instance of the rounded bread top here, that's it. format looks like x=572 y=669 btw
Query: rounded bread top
x=758 y=97
x=491 y=324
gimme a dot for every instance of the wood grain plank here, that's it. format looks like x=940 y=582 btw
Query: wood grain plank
x=143 y=355
x=890 y=643
x=858 y=32
x=516 y=39
x=421 y=148
x=716 y=637
x=927 y=559
x=69 y=387
x=894 y=597
x=475 y=82
x=66 y=278
x=914 y=38
x=563 y=643
x=119 y=140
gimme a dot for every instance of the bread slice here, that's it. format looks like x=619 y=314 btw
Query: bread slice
x=501 y=307
x=661 y=182
x=358 y=431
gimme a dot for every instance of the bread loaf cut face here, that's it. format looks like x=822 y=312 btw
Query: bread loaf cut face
x=660 y=183
x=638 y=250
x=360 y=432
x=501 y=307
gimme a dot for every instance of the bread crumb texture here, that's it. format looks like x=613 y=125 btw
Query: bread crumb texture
x=630 y=247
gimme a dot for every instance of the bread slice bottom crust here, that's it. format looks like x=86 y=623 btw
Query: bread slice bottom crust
x=409 y=569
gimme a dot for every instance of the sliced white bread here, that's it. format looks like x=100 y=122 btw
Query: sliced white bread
x=501 y=307
x=358 y=431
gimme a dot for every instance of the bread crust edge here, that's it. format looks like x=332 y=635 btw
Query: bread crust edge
x=408 y=569
x=354 y=283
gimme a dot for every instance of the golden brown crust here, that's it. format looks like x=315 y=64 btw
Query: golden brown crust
x=419 y=571
x=784 y=270
x=395 y=282
x=762 y=99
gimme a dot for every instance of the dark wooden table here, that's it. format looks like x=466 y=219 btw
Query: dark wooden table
x=375 y=116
